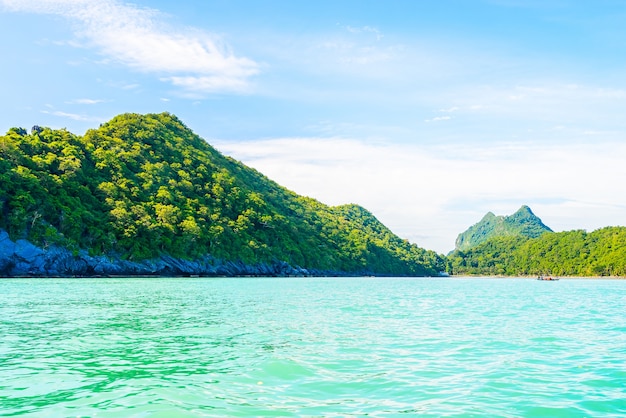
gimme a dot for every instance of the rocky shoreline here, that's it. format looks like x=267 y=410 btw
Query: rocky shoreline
x=23 y=259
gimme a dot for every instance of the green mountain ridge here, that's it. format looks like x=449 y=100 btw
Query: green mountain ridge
x=571 y=253
x=145 y=186
x=523 y=223
x=521 y=245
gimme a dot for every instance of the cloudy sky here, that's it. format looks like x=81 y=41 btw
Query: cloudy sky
x=427 y=113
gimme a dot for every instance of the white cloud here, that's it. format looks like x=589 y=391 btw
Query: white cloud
x=72 y=116
x=138 y=38
x=547 y=99
x=86 y=101
x=430 y=194
x=130 y=86
x=539 y=111
x=365 y=29
x=196 y=85
x=350 y=54
x=438 y=119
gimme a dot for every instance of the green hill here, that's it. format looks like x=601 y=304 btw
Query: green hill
x=145 y=186
x=523 y=223
x=521 y=245
x=571 y=253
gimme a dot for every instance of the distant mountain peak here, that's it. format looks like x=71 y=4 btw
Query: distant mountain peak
x=522 y=223
x=524 y=211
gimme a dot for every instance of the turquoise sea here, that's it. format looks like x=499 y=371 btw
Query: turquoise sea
x=312 y=347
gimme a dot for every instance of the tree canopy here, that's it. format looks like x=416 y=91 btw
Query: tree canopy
x=572 y=253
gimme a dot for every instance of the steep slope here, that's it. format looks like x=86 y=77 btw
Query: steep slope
x=523 y=223
x=145 y=186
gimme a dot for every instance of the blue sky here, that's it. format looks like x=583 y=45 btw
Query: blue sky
x=427 y=113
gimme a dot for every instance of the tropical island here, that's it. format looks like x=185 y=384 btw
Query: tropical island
x=144 y=195
x=521 y=245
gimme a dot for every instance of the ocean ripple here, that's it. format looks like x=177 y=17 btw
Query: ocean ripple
x=312 y=347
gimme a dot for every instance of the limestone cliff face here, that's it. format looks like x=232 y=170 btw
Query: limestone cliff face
x=523 y=222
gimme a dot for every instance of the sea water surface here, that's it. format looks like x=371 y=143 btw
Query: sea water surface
x=194 y=347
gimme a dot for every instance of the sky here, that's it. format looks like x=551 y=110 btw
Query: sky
x=427 y=113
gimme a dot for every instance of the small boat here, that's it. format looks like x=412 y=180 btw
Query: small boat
x=547 y=278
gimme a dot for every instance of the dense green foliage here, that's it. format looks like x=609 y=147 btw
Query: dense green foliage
x=143 y=186
x=573 y=253
x=522 y=223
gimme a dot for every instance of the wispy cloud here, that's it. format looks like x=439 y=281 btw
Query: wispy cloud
x=540 y=110
x=365 y=29
x=85 y=101
x=72 y=116
x=438 y=119
x=549 y=98
x=140 y=39
x=195 y=86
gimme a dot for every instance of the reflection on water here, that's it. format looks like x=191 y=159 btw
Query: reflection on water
x=312 y=347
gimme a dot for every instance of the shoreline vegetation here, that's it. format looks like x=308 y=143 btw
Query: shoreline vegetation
x=142 y=195
x=600 y=253
x=23 y=259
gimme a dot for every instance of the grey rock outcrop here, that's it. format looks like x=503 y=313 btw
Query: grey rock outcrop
x=23 y=259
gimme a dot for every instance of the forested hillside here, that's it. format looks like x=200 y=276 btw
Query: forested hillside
x=141 y=186
x=523 y=223
x=572 y=253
